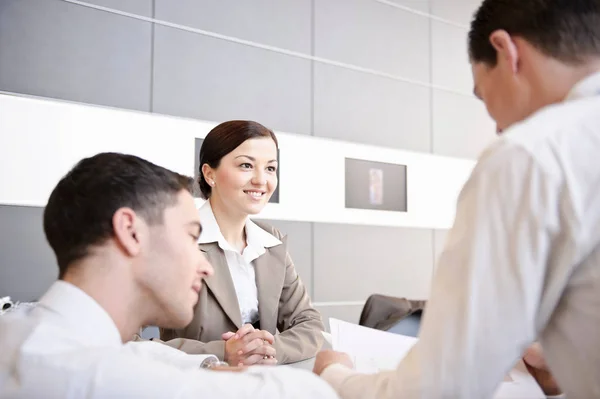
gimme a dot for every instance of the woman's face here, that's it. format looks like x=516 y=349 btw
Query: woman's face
x=246 y=177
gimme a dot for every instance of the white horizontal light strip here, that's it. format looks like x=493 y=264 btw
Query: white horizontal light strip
x=42 y=139
x=422 y=13
x=339 y=303
x=271 y=48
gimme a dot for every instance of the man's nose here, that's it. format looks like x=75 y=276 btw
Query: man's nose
x=204 y=267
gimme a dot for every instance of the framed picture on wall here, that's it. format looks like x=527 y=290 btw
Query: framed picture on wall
x=375 y=185
x=198 y=145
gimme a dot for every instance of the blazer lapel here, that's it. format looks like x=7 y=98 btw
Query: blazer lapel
x=221 y=284
x=270 y=271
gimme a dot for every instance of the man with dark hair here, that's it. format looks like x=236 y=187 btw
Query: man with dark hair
x=522 y=261
x=124 y=233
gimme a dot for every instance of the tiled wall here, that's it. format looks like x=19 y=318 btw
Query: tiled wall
x=381 y=73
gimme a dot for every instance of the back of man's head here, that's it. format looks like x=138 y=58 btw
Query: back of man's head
x=567 y=30
x=79 y=213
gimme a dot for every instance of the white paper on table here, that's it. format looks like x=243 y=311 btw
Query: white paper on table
x=369 y=348
x=371 y=353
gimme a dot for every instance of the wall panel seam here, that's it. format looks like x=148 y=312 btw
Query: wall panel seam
x=429 y=15
x=274 y=49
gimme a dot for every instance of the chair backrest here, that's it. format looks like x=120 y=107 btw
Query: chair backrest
x=382 y=312
x=407 y=326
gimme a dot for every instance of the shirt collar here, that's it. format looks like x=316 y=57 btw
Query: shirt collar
x=82 y=313
x=258 y=239
x=587 y=87
x=210 y=228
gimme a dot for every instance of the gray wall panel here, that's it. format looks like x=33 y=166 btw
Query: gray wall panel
x=206 y=78
x=300 y=247
x=349 y=313
x=450 y=60
x=27 y=264
x=345 y=31
x=281 y=23
x=353 y=262
x=461 y=126
x=56 y=49
x=418 y=5
x=76 y=53
x=364 y=108
x=137 y=7
x=457 y=11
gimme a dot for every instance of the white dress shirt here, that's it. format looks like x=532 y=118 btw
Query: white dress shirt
x=69 y=347
x=240 y=265
x=522 y=261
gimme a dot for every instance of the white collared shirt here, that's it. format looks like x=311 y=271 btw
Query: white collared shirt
x=521 y=262
x=69 y=347
x=240 y=265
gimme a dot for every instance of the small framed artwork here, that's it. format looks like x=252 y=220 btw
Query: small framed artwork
x=375 y=185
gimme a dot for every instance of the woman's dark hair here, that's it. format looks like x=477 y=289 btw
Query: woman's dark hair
x=223 y=139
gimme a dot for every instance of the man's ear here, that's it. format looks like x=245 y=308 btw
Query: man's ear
x=126 y=228
x=506 y=49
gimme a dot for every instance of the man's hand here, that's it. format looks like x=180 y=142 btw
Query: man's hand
x=249 y=346
x=537 y=367
x=327 y=358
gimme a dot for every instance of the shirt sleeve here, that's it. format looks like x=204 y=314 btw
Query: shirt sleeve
x=135 y=375
x=168 y=372
x=483 y=308
x=156 y=351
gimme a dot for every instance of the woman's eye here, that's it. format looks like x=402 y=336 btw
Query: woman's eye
x=246 y=166
x=272 y=169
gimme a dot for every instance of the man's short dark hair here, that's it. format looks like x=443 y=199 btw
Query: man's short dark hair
x=568 y=30
x=81 y=207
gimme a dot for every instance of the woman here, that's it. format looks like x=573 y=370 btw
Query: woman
x=255 y=309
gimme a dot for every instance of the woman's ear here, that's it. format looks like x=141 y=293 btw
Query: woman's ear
x=209 y=174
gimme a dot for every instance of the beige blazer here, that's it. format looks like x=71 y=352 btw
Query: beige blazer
x=284 y=307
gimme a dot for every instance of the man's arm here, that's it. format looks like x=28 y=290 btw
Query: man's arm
x=156 y=351
x=134 y=373
x=483 y=309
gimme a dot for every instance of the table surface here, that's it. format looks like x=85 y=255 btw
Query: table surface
x=525 y=382
x=304 y=364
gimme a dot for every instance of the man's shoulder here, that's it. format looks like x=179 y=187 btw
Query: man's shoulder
x=545 y=139
x=15 y=329
x=554 y=125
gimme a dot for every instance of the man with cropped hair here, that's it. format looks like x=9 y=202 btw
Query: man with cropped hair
x=522 y=261
x=124 y=232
